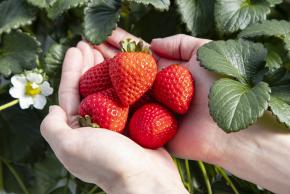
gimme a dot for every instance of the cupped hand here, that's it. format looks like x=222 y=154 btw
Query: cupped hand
x=99 y=156
x=198 y=137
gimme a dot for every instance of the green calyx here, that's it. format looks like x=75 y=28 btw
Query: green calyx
x=129 y=45
x=86 y=121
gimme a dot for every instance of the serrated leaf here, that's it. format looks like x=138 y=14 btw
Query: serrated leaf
x=54 y=58
x=159 y=4
x=18 y=52
x=60 y=6
x=235 y=106
x=101 y=19
x=274 y=2
x=280 y=109
x=287 y=43
x=195 y=14
x=279 y=77
x=282 y=92
x=266 y=28
x=232 y=16
x=14 y=14
x=236 y=58
x=41 y=3
x=273 y=59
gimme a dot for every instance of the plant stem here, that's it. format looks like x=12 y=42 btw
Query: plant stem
x=93 y=190
x=16 y=176
x=66 y=183
x=179 y=169
x=102 y=192
x=1 y=177
x=206 y=179
x=227 y=178
x=9 y=104
x=189 y=178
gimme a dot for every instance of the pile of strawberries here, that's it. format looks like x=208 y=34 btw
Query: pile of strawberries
x=126 y=92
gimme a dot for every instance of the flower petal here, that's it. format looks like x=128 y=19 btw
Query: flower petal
x=39 y=101
x=25 y=102
x=46 y=90
x=34 y=77
x=18 y=80
x=17 y=92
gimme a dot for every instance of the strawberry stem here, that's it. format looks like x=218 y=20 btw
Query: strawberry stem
x=86 y=121
x=129 y=45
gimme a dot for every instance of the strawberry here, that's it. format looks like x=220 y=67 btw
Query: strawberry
x=132 y=72
x=96 y=79
x=103 y=109
x=146 y=98
x=174 y=87
x=152 y=126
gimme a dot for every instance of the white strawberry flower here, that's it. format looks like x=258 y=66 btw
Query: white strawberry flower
x=31 y=89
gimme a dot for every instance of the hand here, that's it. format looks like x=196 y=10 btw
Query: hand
x=259 y=154
x=198 y=135
x=99 y=156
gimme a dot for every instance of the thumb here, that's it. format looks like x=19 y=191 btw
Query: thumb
x=177 y=47
x=54 y=125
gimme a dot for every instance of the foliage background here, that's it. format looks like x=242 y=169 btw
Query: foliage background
x=36 y=33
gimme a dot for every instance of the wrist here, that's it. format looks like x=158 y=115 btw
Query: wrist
x=147 y=182
x=256 y=152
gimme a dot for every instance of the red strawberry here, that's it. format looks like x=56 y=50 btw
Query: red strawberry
x=96 y=79
x=132 y=72
x=103 y=109
x=174 y=87
x=152 y=126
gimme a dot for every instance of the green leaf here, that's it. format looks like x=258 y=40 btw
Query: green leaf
x=195 y=14
x=236 y=58
x=266 y=28
x=273 y=59
x=274 y=2
x=280 y=109
x=18 y=52
x=282 y=92
x=14 y=14
x=42 y=3
x=159 y=4
x=60 y=6
x=20 y=136
x=287 y=43
x=235 y=106
x=54 y=58
x=232 y=16
x=48 y=173
x=101 y=19
x=279 y=77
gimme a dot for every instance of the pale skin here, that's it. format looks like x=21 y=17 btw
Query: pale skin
x=259 y=154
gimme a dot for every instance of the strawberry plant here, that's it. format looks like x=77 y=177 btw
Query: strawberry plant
x=250 y=52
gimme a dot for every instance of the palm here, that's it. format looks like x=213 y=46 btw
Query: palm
x=197 y=130
x=106 y=147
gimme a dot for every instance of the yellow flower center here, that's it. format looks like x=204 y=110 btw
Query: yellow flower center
x=32 y=89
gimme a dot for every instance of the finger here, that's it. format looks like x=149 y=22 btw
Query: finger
x=178 y=47
x=54 y=125
x=98 y=57
x=69 y=98
x=88 y=55
x=163 y=63
x=118 y=35
x=107 y=50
